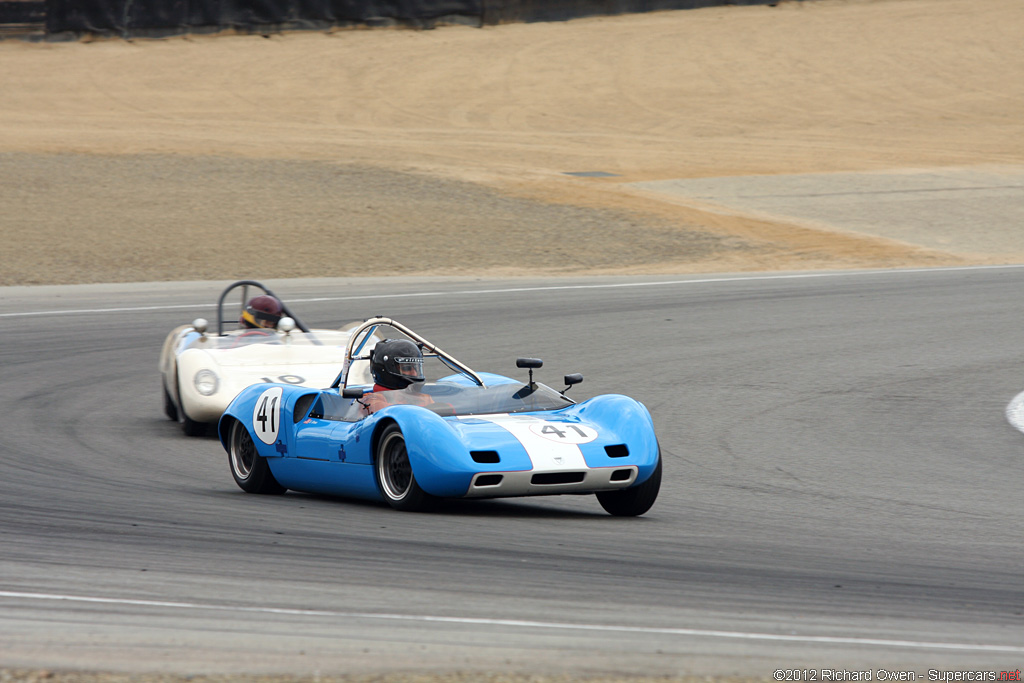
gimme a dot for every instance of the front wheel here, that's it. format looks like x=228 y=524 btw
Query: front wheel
x=395 y=478
x=191 y=427
x=249 y=468
x=636 y=500
x=188 y=425
x=170 y=408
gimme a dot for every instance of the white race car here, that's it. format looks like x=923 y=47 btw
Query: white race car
x=203 y=369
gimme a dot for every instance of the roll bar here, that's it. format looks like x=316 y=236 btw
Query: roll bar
x=245 y=284
x=366 y=330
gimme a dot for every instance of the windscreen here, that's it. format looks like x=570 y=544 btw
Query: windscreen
x=241 y=339
x=444 y=399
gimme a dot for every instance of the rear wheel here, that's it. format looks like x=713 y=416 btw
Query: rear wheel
x=636 y=500
x=250 y=470
x=395 y=477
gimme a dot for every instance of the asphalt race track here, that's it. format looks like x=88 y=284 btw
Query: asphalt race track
x=842 y=489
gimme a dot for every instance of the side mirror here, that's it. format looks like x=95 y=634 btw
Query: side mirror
x=286 y=324
x=530 y=363
x=352 y=392
x=570 y=380
x=200 y=325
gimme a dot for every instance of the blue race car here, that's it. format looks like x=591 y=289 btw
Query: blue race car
x=463 y=435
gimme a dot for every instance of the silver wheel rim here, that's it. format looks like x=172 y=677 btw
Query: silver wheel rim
x=393 y=467
x=243 y=451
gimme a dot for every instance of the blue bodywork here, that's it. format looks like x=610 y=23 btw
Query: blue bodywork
x=319 y=444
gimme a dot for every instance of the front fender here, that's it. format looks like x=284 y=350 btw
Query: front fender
x=631 y=424
x=440 y=460
x=197 y=406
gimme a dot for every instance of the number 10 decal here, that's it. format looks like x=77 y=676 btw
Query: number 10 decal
x=266 y=416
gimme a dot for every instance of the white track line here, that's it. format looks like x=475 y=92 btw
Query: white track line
x=515 y=290
x=1015 y=412
x=545 y=625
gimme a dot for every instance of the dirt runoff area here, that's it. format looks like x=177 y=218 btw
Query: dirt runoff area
x=506 y=150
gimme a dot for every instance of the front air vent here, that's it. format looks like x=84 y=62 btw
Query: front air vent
x=485 y=457
x=621 y=475
x=617 y=451
x=488 y=480
x=550 y=478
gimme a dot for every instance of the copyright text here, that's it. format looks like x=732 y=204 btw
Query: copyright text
x=804 y=675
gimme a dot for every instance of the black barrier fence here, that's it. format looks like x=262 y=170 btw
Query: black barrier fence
x=179 y=16
x=169 y=17
x=22 y=16
x=503 y=11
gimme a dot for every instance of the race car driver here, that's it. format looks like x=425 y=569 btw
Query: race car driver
x=262 y=311
x=395 y=365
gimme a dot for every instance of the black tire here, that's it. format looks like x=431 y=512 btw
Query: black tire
x=636 y=500
x=188 y=425
x=250 y=471
x=395 y=478
x=191 y=427
x=170 y=409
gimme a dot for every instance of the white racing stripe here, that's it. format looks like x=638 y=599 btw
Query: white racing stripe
x=549 y=288
x=538 y=625
x=545 y=453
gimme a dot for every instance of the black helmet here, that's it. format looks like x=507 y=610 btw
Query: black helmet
x=396 y=363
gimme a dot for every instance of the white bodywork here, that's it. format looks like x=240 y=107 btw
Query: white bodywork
x=203 y=372
x=548 y=454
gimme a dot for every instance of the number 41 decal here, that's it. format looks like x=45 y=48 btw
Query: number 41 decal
x=564 y=432
x=266 y=415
